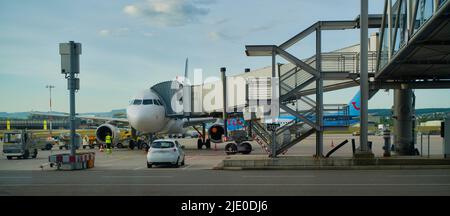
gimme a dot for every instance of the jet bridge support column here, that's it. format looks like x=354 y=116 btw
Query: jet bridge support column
x=224 y=95
x=364 y=151
x=319 y=95
x=203 y=133
x=403 y=121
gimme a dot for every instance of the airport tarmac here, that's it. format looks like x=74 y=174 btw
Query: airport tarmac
x=124 y=172
x=125 y=159
x=174 y=182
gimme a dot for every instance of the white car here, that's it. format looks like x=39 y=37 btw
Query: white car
x=165 y=152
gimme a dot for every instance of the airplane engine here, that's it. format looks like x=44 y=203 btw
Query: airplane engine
x=104 y=129
x=215 y=133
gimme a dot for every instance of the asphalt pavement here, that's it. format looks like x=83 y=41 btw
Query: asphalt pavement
x=124 y=172
x=179 y=182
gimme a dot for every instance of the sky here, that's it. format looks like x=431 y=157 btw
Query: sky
x=128 y=46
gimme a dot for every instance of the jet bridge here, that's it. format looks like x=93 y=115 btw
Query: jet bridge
x=414 y=53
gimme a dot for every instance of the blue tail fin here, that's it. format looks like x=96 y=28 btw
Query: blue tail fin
x=355 y=105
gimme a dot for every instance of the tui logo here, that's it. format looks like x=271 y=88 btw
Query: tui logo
x=354 y=105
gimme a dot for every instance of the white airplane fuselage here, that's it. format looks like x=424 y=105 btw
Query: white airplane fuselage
x=147 y=114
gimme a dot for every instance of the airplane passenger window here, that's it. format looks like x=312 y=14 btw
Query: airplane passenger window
x=147 y=102
x=137 y=102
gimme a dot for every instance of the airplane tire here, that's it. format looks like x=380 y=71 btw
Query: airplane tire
x=132 y=144
x=199 y=144
x=119 y=145
x=34 y=154
x=9 y=157
x=26 y=154
x=231 y=148
x=208 y=144
x=48 y=146
x=248 y=148
x=149 y=165
x=145 y=146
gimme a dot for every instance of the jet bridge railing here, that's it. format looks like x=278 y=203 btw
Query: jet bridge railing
x=401 y=21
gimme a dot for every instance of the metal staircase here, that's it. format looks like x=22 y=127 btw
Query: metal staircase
x=293 y=79
x=261 y=136
x=300 y=78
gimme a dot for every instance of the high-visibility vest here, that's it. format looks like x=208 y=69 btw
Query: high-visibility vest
x=108 y=139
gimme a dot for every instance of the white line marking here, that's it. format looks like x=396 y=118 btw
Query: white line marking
x=138 y=168
x=214 y=185
x=15 y=177
x=137 y=176
x=294 y=176
x=187 y=166
x=409 y=176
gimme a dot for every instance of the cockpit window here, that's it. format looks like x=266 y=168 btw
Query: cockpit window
x=160 y=103
x=137 y=102
x=155 y=102
x=147 y=102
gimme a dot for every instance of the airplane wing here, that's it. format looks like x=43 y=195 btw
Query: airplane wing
x=124 y=120
x=197 y=121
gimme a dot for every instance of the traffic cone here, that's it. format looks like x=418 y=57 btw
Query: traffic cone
x=332 y=144
x=101 y=148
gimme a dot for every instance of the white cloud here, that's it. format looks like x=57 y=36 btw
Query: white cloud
x=225 y=35
x=104 y=32
x=221 y=35
x=213 y=36
x=113 y=32
x=148 y=34
x=169 y=12
x=222 y=21
x=131 y=10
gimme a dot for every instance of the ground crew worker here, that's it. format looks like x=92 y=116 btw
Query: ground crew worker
x=85 y=141
x=139 y=143
x=108 y=143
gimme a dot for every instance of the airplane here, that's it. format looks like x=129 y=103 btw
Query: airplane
x=146 y=114
x=347 y=116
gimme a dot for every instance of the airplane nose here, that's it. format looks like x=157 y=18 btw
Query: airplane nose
x=143 y=120
x=134 y=117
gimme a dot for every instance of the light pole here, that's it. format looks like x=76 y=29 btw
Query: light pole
x=50 y=117
x=70 y=67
